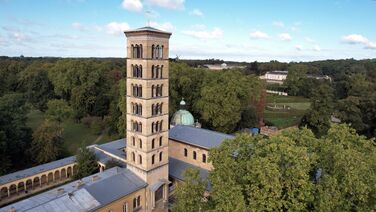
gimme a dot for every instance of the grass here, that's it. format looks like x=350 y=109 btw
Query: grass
x=75 y=135
x=284 y=119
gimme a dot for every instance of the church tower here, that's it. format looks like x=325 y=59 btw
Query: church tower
x=147 y=111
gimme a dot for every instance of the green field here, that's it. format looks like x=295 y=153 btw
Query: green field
x=75 y=135
x=285 y=118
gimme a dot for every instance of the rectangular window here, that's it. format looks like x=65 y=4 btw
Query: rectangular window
x=125 y=207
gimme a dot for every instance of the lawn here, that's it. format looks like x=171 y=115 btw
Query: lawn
x=75 y=135
x=286 y=118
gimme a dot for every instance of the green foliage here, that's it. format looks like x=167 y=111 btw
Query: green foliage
x=15 y=136
x=58 y=110
x=295 y=78
x=86 y=163
x=294 y=171
x=47 y=142
x=322 y=107
x=190 y=194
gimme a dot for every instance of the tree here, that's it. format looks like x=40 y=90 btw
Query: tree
x=189 y=194
x=86 y=163
x=322 y=106
x=295 y=78
x=15 y=136
x=58 y=110
x=47 y=142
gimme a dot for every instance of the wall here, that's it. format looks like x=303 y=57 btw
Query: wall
x=117 y=205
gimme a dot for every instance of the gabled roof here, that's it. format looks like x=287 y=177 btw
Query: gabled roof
x=197 y=136
x=147 y=29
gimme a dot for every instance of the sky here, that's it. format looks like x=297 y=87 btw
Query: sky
x=237 y=30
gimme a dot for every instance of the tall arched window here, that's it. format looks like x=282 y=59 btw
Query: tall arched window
x=140 y=127
x=203 y=158
x=185 y=152
x=133 y=157
x=161 y=52
x=157 y=72
x=160 y=156
x=152 y=91
x=139 y=159
x=152 y=159
x=140 y=141
x=160 y=126
x=160 y=108
x=161 y=72
x=152 y=127
x=152 y=51
x=133 y=141
x=153 y=143
x=138 y=201
x=160 y=141
x=194 y=155
x=134 y=203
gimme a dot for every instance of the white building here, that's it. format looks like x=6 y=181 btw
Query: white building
x=276 y=76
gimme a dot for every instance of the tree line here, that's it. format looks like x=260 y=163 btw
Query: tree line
x=295 y=171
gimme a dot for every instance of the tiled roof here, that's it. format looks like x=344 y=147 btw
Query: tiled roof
x=197 y=136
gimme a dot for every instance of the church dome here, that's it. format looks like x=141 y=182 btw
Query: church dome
x=182 y=116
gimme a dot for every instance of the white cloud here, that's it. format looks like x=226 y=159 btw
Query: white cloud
x=355 y=39
x=309 y=40
x=115 y=28
x=167 y=26
x=317 y=48
x=196 y=12
x=132 y=5
x=299 y=47
x=198 y=27
x=359 y=39
x=285 y=37
x=259 y=35
x=279 y=24
x=214 y=34
x=169 y=4
x=371 y=45
x=79 y=26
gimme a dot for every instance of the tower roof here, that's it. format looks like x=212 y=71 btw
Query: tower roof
x=147 y=29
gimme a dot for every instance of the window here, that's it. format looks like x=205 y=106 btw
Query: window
x=137 y=71
x=137 y=51
x=125 y=207
x=137 y=109
x=160 y=141
x=203 y=158
x=140 y=144
x=152 y=159
x=139 y=159
x=194 y=155
x=134 y=203
x=185 y=152
x=133 y=157
x=138 y=201
x=133 y=141
x=137 y=90
x=153 y=143
x=160 y=156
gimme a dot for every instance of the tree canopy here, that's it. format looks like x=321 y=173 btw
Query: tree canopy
x=86 y=163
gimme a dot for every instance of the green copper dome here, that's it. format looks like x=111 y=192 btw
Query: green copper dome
x=182 y=116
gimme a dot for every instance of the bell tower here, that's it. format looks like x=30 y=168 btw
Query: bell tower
x=147 y=111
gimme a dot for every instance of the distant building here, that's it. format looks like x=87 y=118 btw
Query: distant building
x=276 y=76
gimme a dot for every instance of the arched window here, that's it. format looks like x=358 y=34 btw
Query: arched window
x=161 y=72
x=152 y=127
x=152 y=91
x=139 y=72
x=161 y=52
x=140 y=51
x=140 y=127
x=152 y=51
x=139 y=159
x=160 y=108
x=153 y=143
x=160 y=156
x=194 y=155
x=140 y=91
x=185 y=152
x=133 y=157
x=140 y=141
x=133 y=141
x=203 y=158
x=152 y=159
x=156 y=126
x=140 y=109
x=160 y=126
x=156 y=52
x=134 y=203
x=157 y=72
x=160 y=141
x=138 y=201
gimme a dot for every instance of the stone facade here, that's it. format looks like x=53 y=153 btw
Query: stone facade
x=132 y=202
x=177 y=150
x=147 y=131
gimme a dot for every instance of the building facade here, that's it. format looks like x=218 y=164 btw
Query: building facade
x=147 y=111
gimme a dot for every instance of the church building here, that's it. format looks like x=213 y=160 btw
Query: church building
x=153 y=155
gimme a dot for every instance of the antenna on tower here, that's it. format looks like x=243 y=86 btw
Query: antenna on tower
x=148 y=15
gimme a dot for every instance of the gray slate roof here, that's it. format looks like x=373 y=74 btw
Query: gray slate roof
x=176 y=168
x=115 y=187
x=36 y=169
x=147 y=28
x=197 y=136
x=59 y=201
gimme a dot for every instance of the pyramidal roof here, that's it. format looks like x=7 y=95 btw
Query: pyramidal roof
x=149 y=29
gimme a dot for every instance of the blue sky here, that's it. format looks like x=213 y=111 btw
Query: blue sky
x=247 y=30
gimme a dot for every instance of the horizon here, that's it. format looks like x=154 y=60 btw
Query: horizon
x=288 y=31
